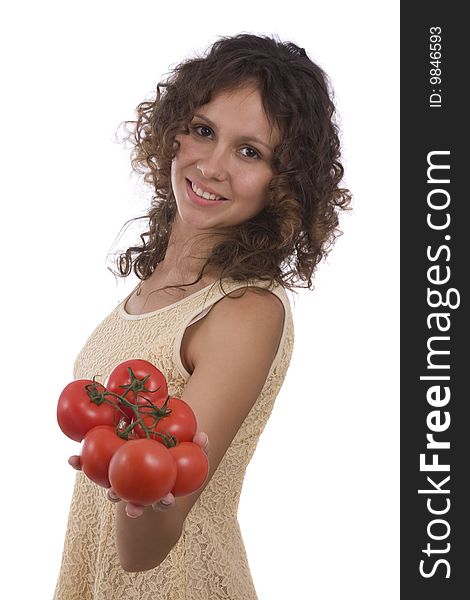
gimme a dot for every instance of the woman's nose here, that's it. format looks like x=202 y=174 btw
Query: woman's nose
x=213 y=165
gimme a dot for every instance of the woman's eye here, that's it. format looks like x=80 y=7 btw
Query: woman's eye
x=206 y=132
x=250 y=152
x=202 y=130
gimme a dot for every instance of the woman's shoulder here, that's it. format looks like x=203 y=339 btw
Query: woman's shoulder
x=253 y=288
x=251 y=317
x=252 y=295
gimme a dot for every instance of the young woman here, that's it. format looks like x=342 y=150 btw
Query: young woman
x=242 y=152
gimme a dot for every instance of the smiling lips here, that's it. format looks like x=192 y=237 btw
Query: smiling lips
x=204 y=194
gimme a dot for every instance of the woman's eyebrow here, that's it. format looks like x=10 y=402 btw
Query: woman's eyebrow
x=244 y=138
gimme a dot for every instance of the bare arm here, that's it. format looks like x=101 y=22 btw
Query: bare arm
x=231 y=363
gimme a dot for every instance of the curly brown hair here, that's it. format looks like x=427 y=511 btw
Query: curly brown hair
x=298 y=225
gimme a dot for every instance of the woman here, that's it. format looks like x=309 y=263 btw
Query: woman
x=243 y=156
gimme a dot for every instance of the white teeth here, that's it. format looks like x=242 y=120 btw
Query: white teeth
x=205 y=195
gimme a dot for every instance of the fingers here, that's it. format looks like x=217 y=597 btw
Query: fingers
x=112 y=496
x=202 y=440
x=165 y=503
x=134 y=510
x=75 y=462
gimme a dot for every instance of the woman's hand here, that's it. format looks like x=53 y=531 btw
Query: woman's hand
x=75 y=462
x=168 y=501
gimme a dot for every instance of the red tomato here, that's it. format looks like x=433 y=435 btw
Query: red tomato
x=142 y=471
x=98 y=447
x=77 y=413
x=180 y=423
x=149 y=382
x=192 y=468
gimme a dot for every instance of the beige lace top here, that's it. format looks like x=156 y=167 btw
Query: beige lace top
x=209 y=560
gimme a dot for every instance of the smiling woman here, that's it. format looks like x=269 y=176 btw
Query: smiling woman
x=214 y=161
x=242 y=153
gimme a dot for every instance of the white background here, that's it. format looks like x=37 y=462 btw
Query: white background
x=320 y=505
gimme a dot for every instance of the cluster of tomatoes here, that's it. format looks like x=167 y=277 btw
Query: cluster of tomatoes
x=135 y=437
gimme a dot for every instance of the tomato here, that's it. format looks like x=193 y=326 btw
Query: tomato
x=180 y=423
x=154 y=387
x=142 y=471
x=192 y=468
x=77 y=413
x=98 y=447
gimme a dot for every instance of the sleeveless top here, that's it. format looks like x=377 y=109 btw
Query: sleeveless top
x=209 y=561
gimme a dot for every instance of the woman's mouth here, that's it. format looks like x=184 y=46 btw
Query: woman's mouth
x=201 y=197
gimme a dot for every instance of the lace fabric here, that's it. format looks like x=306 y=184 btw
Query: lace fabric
x=209 y=561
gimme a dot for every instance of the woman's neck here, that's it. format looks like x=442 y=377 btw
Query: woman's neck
x=186 y=255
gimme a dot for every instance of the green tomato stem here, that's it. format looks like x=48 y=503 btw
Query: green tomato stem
x=135 y=385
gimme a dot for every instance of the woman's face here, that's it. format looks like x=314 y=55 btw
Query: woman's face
x=227 y=154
